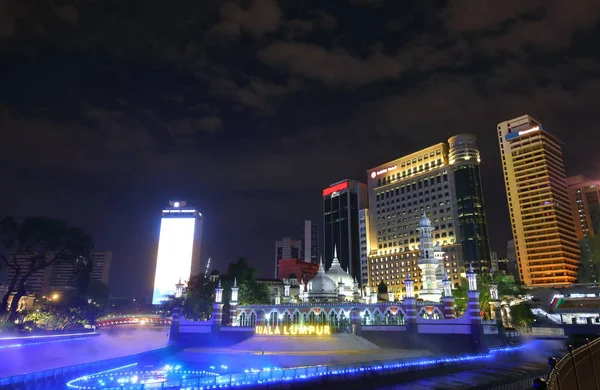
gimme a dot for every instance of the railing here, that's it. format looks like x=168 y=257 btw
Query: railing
x=577 y=370
x=537 y=331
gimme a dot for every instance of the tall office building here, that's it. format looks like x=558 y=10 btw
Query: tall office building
x=38 y=282
x=512 y=265
x=443 y=182
x=62 y=276
x=585 y=201
x=102 y=262
x=494 y=262
x=538 y=200
x=341 y=204
x=178 y=249
x=310 y=242
x=365 y=243
x=285 y=249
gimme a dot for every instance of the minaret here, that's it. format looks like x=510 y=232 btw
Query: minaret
x=428 y=263
x=472 y=277
x=233 y=304
x=217 y=315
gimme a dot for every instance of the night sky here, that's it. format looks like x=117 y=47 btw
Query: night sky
x=248 y=109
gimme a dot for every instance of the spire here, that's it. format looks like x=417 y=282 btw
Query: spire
x=335 y=261
x=321 y=269
x=219 y=283
x=234 y=282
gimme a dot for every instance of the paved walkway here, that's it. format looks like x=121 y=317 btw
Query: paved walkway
x=483 y=378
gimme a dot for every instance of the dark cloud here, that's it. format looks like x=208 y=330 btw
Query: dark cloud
x=333 y=67
x=261 y=17
x=249 y=108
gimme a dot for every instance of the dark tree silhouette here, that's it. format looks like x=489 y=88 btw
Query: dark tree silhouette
x=34 y=244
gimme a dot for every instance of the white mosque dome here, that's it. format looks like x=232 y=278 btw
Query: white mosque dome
x=321 y=282
x=424 y=222
x=337 y=273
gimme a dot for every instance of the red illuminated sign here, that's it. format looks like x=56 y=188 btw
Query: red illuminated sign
x=335 y=188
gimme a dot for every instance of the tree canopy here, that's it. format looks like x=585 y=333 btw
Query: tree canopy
x=200 y=292
x=507 y=287
x=33 y=244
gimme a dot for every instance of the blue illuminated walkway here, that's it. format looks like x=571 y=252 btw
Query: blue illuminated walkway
x=481 y=377
x=112 y=343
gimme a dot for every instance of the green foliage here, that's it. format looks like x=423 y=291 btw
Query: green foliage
x=241 y=271
x=71 y=313
x=252 y=292
x=98 y=292
x=199 y=298
x=521 y=315
x=507 y=287
x=460 y=298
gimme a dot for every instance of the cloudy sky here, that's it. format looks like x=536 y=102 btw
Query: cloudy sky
x=248 y=109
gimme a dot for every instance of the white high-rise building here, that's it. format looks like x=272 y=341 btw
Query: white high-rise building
x=178 y=249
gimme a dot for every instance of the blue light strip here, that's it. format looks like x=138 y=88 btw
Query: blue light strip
x=47 y=336
x=253 y=378
x=42 y=342
x=84 y=378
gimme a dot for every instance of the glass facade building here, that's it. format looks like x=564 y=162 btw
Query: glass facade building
x=443 y=182
x=341 y=204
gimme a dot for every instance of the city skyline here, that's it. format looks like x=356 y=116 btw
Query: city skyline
x=249 y=115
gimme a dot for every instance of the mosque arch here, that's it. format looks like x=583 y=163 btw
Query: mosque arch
x=377 y=317
x=435 y=314
x=367 y=317
x=396 y=317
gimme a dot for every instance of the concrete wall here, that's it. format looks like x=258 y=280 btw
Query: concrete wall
x=223 y=337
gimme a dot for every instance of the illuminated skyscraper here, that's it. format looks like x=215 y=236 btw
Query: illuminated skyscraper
x=585 y=201
x=443 y=182
x=341 y=204
x=540 y=211
x=178 y=249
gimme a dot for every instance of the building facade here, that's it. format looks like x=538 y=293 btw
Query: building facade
x=62 y=276
x=443 y=182
x=310 y=242
x=585 y=201
x=365 y=243
x=341 y=204
x=540 y=211
x=178 y=257
x=512 y=264
x=286 y=248
x=296 y=269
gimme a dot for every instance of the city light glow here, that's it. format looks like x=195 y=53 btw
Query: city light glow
x=174 y=260
x=335 y=188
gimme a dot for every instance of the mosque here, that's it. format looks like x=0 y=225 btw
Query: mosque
x=336 y=285
x=332 y=303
